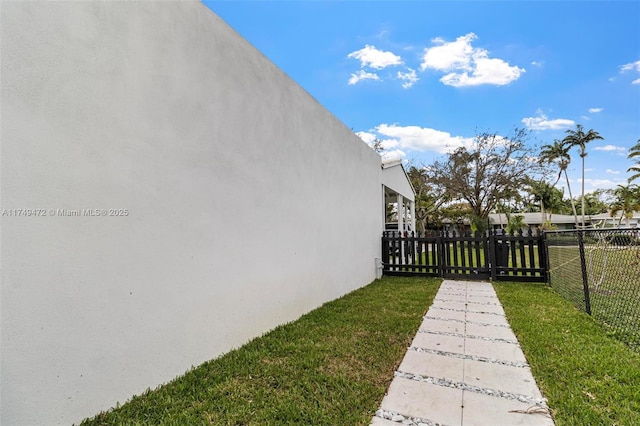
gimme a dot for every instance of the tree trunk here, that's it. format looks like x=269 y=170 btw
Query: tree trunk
x=583 y=155
x=573 y=204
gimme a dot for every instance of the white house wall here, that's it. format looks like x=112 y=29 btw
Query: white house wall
x=394 y=177
x=242 y=202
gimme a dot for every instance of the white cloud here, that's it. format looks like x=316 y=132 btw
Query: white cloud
x=467 y=65
x=393 y=155
x=542 y=122
x=610 y=148
x=408 y=78
x=538 y=64
x=362 y=75
x=371 y=57
x=389 y=143
x=585 y=117
x=415 y=138
x=595 y=110
x=449 y=56
x=633 y=67
x=370 y=138
x=593 y=184
x=613 y=172
x=367 y=137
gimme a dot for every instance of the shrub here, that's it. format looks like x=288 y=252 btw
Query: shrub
x=620 y=239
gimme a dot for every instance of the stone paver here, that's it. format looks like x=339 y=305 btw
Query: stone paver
x=456 y=305
x=439 y=342
x=487 y=319
x=496 y=376
x=495 y=350
x=490 y=331
x=485 y=410
x=464 y=367
x=484 y=308
x=433 y=365
x=424 y=401
x=446 y=314
x=442 y=326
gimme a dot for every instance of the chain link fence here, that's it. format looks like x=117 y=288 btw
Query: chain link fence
x=598 y=270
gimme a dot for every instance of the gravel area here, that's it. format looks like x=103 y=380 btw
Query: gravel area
x=405 y=420
x=487 y=339
x=541 y=402
x=464 y=321
x=465 y=310
x=471 y=357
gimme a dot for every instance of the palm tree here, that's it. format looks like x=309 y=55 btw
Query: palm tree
x=548 y=197
x=515 y=223
x=540 y=192
x=627 y=201
x=559 y=153
x=634 y=151
x=580 y=139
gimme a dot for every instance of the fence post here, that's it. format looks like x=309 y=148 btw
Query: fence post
x=440 y=248
x=492 y=254
x=543 y=255
x=385 y=252
x=585 y=280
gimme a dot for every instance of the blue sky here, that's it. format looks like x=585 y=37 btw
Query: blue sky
x=424 y=76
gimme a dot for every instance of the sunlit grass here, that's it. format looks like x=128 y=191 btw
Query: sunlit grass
x=589 y=377
x=613 y=276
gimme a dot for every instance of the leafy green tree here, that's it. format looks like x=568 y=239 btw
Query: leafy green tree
x=558 y=154
x=594 y=202
x=515 y=223
x=549 y=198
x=454 y=213
x=578 y=138
x=627 y=201
x=541 y=193
x=488 y=171
x=427 y=198
x=634 y=152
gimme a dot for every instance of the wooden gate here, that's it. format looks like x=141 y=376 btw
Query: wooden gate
x=496 y=256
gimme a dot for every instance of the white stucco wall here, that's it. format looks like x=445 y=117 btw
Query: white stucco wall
x=248 y=203
x=394 y=177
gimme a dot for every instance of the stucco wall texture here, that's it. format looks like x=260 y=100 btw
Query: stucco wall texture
x=234 y=201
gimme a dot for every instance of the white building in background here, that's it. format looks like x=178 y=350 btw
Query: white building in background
x=398 y=191
x=209 y=198
x=605 y=220
x=535 y=220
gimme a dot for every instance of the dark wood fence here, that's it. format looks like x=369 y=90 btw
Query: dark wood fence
x=494 y=255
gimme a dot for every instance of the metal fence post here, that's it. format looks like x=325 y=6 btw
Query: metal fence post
x=493 y=244
x=585 y=281
x=543 y=255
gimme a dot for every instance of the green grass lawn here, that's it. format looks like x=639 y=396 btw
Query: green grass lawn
x=614 y=282
x=330 y=367
x=589 y=377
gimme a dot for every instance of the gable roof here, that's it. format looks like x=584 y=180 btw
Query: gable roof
x=395 y=177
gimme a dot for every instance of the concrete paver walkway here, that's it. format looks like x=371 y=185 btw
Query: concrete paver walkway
x=464 y=367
